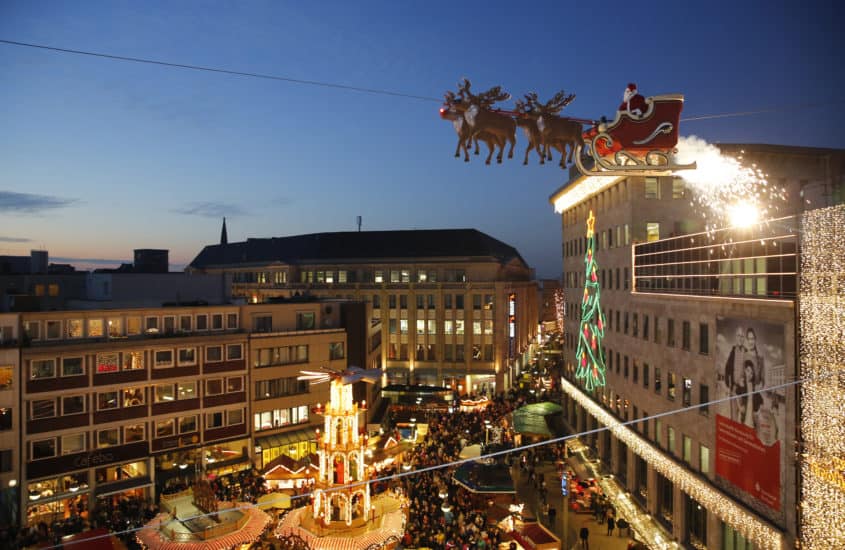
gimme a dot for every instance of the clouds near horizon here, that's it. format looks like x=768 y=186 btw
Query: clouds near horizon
x=12 y=202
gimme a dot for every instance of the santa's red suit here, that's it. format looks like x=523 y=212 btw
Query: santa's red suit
x=632 y=102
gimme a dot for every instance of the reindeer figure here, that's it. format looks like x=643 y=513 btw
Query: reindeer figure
x=453 y=109
x=556 y=131
x=528 y=122
x=482 y=119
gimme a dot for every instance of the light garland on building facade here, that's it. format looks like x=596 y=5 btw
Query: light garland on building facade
x=718 y=503
x=577 y=192
x=560 y=310
x=822 y=357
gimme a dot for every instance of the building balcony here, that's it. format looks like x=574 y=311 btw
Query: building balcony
x=758 y=262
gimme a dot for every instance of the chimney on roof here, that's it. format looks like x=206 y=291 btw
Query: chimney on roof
x=224 y=238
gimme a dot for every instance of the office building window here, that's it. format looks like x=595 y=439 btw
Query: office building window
x=657 y=380
x=687 y=451
x=704 y=459
x=652 y=188
x=626 y=279
x=645 y=375
x=685 y=336
x=670 y=439
x=703 y=399
x=687 y=398
x=678 y=188
x=703 y=338
x=670 y=333
x=645 y=327
x=636 y=330
x=403 y=301
x=670 y=386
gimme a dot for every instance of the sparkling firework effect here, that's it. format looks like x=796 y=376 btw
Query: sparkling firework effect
x=726 y=192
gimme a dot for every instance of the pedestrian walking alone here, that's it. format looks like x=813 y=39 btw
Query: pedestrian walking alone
x=584 y=537
x=610 y=525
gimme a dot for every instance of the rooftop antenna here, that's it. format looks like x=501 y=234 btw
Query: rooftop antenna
x=359 y=223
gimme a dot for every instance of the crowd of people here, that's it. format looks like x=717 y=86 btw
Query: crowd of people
x=442 y=514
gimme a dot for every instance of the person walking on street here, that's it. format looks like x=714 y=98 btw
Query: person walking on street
x=610 y=525
x=584 y=537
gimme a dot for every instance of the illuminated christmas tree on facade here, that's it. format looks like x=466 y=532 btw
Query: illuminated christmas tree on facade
x=590 y=352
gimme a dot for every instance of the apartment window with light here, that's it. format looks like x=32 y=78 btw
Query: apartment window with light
x=657 y=380
x=687 y=452
x=379 y=276
x=652 y=231
x=394 y=275
x=670 y=386
x=403 y=326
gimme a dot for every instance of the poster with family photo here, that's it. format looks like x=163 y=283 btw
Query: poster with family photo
x=750 y=425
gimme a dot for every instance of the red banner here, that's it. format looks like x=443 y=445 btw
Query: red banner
x=747 y=462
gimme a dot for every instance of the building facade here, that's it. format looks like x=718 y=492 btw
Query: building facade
x=131 y=401
x=693 y=317
x=456 y=308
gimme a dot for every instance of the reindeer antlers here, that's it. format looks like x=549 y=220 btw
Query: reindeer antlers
x=527 y=105
x=558 y=102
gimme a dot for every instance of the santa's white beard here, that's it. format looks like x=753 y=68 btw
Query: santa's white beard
x=626 y=97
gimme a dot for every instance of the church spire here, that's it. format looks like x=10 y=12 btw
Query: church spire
x=224 y=238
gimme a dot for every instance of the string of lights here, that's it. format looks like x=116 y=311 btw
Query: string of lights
x=378 y=91
x=755 y=528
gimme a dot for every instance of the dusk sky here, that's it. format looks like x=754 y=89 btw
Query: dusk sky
x=100 y=157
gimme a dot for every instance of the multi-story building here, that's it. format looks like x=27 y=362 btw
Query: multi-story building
x=692 y=317
x=454 y=307
x=126 y=401
x=10 y=412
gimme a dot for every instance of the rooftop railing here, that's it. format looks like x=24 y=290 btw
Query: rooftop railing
x=755 y=262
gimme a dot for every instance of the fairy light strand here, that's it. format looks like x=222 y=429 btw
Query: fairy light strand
x=822 y=359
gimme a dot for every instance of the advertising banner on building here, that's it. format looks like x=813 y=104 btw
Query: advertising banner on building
x=750 y=426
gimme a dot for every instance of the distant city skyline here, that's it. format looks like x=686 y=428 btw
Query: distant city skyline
x=101 y=157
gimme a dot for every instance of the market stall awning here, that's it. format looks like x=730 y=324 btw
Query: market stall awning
x=541 y=419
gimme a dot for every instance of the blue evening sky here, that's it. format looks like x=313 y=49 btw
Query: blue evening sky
x=100 y=157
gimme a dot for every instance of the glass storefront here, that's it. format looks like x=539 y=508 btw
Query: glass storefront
x=57 y=499
x=226 y=458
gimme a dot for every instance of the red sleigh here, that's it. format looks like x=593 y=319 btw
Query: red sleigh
x=635 y=145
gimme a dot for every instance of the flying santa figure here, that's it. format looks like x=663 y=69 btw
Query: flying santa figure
x=633 y=102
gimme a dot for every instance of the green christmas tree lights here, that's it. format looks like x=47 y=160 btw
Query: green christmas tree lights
x=590 y=352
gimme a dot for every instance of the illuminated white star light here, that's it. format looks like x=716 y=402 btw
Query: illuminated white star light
x=726 y=192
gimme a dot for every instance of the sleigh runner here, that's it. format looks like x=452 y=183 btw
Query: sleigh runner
x=635 y=145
